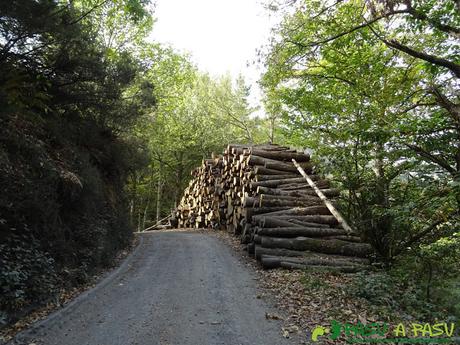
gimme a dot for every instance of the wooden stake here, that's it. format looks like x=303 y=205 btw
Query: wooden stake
x=156 y=224
x=328 y=204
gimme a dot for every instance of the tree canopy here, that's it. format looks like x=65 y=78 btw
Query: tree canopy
x=372 y=88
x=100 y=127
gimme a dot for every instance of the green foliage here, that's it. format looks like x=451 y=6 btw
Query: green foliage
x=374 y=112
x=439 y=262
x=391 y=295
x=421 y=286
x=377 y=289
x=444 y=252
x=371 y=88
x=27 y=274
x=195 y=115
x=67 y=112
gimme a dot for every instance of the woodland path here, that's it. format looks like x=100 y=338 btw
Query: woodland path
x=177 y=288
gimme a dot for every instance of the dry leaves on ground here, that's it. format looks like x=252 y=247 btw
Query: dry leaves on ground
x=308 y=299
x=64 y=297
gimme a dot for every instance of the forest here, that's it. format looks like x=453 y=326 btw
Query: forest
x=100 y=127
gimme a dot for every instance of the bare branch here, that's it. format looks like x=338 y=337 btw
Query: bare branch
x=452 y=108
x=452 y=66
x=419 y=236
x=325 y=9
x=451 y=30
x=87 y=13
x=301 y=74
x=349 y=31
x=432 y=158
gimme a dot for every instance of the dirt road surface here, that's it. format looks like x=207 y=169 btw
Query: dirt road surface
x=177 y=288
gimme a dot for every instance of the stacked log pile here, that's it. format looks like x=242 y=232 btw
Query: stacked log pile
x=257 y=193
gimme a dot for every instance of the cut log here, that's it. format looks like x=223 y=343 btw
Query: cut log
x=289 y=197
x=304 y=211
x=246 y=235
x=173 y=222
x=268 y=147
x=318 y=245
x=256 y=192
x=326 y=220
x=289 y=221
x=277 y=202
x=251 y=202
x=248 y=212
x=280 y=182
x=334 y=269
x=300 y=231
x=330 y=269
x=280 y=155
x=273 y=222
x=253 y=160
x=273 y=177
x=348 y=238
x=287 y=166
x=259 y=251
x=262 y=170
x=251 y=248
x=296 y=193
x=343 y=265
x=307 y=224
x=305 y=186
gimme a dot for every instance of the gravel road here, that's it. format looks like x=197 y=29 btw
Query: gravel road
x=177 y=288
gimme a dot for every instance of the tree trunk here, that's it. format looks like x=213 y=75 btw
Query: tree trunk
x=179 y=174
x=134 y=195
x=159 y=185
x=139 y=215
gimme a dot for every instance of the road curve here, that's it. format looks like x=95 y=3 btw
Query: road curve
x=178 y=288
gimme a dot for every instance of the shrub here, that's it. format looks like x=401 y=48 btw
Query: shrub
x=27 y=273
